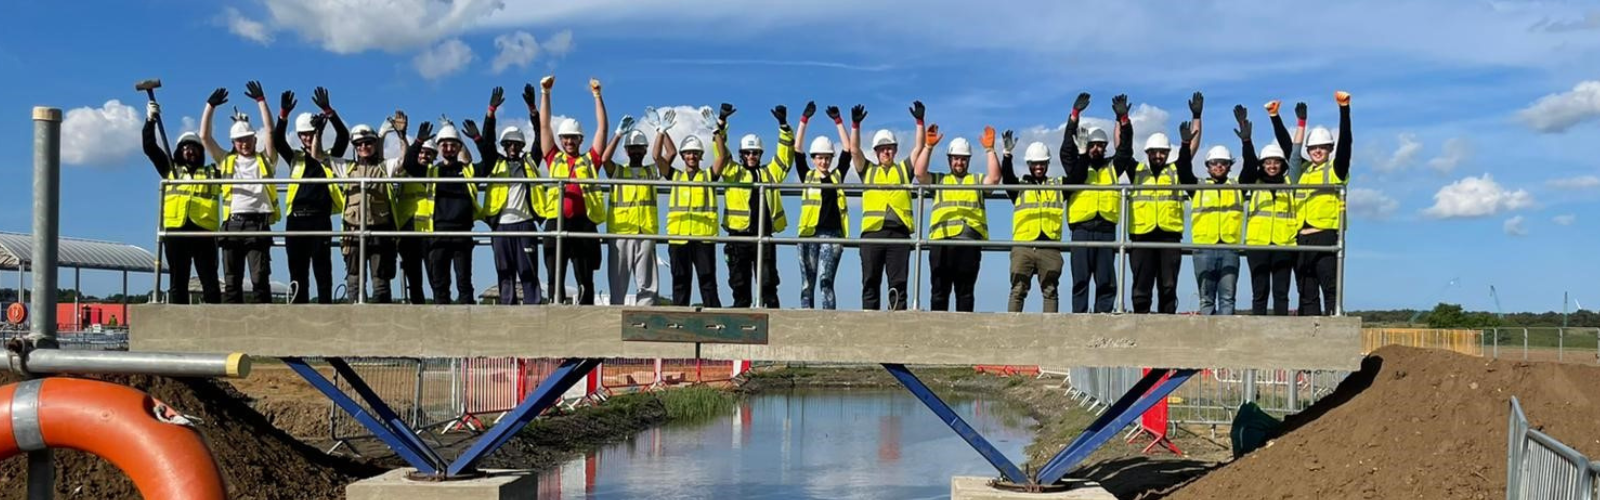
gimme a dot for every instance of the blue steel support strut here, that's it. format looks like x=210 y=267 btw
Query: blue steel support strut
x=921 y=391
x=1130 y=406
x=391 y=437
x=383 y=411
x=549 y=391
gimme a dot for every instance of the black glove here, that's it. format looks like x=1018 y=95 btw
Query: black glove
x=218 y=97
x=424 y=132
x=811 y=109
x=1185 y=133
x=1082 y=103
x=727 y=111
x=1240 y=114
x=857 y=114
x=833 y=112
x=497 y=97
x=319 y=97
x=286 y=103
x=1119 y=105
x=1244 y=130
x=318 y=121
x=1197 y=104
x=1300 y=111
x=252 y=89
x=530 y=96
x=471 y=129
x=781 y=112
x=918 y=110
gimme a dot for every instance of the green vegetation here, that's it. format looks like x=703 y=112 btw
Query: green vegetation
x=696 y=403
x=1454 y=316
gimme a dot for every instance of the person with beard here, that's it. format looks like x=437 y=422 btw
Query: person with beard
x=1158 y=215
x=372 y=206
x=1093 y=215
x=691 y=211
x=1321 y=212
x=742 y=211
x=1272 y=220
x=511 y=207
x=632 y=210
x=245 y=207
x=885 y=212
x=1036 y=216
x=445 y=206
x=957 y=215
x=823 y=211
x=310 y=206
x=581 y=207
x=186 y=208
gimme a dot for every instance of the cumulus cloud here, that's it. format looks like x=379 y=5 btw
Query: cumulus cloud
x=1371 y=203
x=1564 y=219
x=1473 y=197
x=1561 y=111
x=443 y=60
x=246 y=28
x=100 y=136
x=352 y=26
x=189 y=125
x=514 y=49
x=1515 y=226
x=1455 y=151
x=1579 y=183
x=559 y=44
x=1404 y=154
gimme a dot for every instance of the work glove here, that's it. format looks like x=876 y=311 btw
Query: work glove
x=151 y=110
x=218 y=97
x=594 y=86
x=1185 y=133
x=401 y=121
x=1081 y=104
x=933 y=135
x=781 y=112
x=387 y=127
x=529 y=96
x=471 y=129
x=727 y=111
x=833 y=112
x=669 y=119
x=988 y=139
x=1244 y=130
x=318 y=121
x=918 y=110
x=857 y=114
x=1300 y=111
x=811 y=109
x=496 y=98
x=1239 y=113
x=424 y=132
x=286 y=103
x=547 y=82
x=1272 y=107
x=319 y=97
x=626 y=125
x=708 y=116
x=1010 y=139
x=252 y=89
x=239 y=116
x=1119 y=105
x=1197 y=104
x=1342 y=97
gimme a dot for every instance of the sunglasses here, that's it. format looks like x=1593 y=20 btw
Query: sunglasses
x=750 y=153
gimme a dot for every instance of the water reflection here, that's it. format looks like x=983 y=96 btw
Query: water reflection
x=804 y=444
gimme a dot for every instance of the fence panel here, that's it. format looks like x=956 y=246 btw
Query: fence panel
x=1552 y=344
x=398 y=381
x=1539 y=467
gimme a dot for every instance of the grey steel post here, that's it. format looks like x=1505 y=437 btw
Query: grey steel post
x=161 y=215
x=1524 y=343
x=1125 y=218
x=77 y=298
x=361 y=251
x=46 y=224
x=1338 y=280
x=560 y=279
x=761 y=231
x=916 y=278
x=1561 y=344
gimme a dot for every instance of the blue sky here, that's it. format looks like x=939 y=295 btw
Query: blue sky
x=1469 y=116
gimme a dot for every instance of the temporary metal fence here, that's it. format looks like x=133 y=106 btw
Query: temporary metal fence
x=919 y=241
x=1559 y=344
x=1212 y=397
x=1539 y=467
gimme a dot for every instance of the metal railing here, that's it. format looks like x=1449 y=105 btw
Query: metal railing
x=1540 y=467
x=1559 y=344
x=1212 y=397
x=919 y=240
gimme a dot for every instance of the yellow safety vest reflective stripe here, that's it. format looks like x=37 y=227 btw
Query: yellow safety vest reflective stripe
x=424 y=214
x=181 y=203
x=327 y=172
x=738 y=205
x=1218 y=215
x=877 y=203
x=594 y=201
x=227 y=170
x=1153 y=208
x=496 y=196
x=811 y=202
x=692 y=210
x=957 y=210
x=1272 y=219
x=633 y=208
x=1037 y=212
x=1320 y=208
x=1086 y=205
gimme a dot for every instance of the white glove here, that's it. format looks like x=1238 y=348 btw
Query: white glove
x=388 y=127
x=626 y=125
x=708 y=115
x=669 y=119
x=652 y=117
x=151 y=110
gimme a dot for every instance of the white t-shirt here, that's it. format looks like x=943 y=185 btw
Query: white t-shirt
x=249 y=198
x=516 y=209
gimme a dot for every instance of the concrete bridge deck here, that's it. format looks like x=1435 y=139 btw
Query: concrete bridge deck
x=905 y=337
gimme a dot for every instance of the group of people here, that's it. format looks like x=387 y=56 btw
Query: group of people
x=1265 y=221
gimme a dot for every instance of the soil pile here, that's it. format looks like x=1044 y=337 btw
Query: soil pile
x=1414 y=423
x=258 y=461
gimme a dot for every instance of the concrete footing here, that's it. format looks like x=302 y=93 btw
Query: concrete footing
x=977 y=488
x=497 y=485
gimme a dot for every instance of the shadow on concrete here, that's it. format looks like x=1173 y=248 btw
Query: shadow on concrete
x=1142 y=478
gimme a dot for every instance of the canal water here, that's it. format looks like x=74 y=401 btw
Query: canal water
x=832 y=444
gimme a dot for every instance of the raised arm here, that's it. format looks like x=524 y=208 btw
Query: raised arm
x=611 y=147
x=547 y=136
x=280 y=130
x=665 y=152
x=1185 y=164
x=857 y=159
x=922 y=154
x=1071 y=161
x=414 y=168
x=1279 y=131
x=1251 y=170
x=994 y=176
x=1197 y=104
x=1341 y=151
x=602 y=122
x=800 y=135
x=152 y=149
x=720 y=138
x=217 y=98
x=784 y=159
x=919 y=140
x=253 y=90
x=1123 y=160
x=341 y=134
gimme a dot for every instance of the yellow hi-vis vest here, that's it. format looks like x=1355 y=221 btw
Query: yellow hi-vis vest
x=1154 y=208
x=956 y=210
x=1085 y=205
x=424 y=214
x=594 y=201
x=497 y=195
x=1217 y=215
x=226 y=171
x=1037 y=212
x=877 y=203
x=811 y=202
x=692 y=210
x=299 y=170
x=1272 y=219
x=633 y=208
x=1320 y=208
x=181 y=203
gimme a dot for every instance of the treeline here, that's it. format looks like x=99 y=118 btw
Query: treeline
x=1454 y=316
x=9 y=295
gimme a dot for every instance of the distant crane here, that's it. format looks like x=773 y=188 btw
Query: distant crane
x=1498 y=312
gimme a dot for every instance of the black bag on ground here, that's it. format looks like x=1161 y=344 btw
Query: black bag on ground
x=1252 y=428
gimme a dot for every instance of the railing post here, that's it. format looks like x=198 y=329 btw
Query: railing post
x=761 y=231
x=1338 y=281
x=161 y=216
x=361 y=250
x=916 y=280
x=560 y=279
x=1125 y=219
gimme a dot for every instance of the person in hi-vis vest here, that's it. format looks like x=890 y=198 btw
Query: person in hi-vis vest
x=886 y=212
x=691 y=212
x=1156 y=215
x=958 y=215
x=188 y=208
x=581 y=208
x=245 y=207
x=632 y=210
x=823 y=210
x=745 y=209
x=1270 y=215
x=1321 y=212
x=515 y=207
x=1093 y=215
x=309 y=207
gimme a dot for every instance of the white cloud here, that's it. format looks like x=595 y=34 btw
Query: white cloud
x=1564 y=219
x=559 y=44
x=1515 y=227
x=1146 y=120
x=351 y=26
x=1561 y=111
x=100 y=136
x=189 y=125
x=246 y=28
x=1579 y=183
x=1403 y=155
x=1371 y=203
x=443 y=60
x=1477 y=197
x=515 y=49
x=1455 y=151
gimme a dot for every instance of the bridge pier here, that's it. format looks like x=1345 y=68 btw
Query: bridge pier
x=493 y=485
x=979 y=488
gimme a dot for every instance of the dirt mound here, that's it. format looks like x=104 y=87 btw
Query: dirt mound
x=258 y=461
x=1414 y=423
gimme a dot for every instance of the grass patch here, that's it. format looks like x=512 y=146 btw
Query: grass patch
x=696 y=403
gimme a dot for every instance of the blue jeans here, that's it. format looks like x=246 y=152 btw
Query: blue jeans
x=823 y=259
x=1217 y=272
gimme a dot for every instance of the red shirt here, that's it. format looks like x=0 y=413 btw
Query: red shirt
x=572 y=198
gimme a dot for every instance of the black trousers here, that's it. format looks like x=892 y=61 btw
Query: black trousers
x=694 y=260
x=1156 y=268
x=1319 y=274
x=198 y=252
x=1098 y=264
x=412 y=251
x=581 y=256
x=380 y=264
x=1269 y=273
x=954 y=269
x=515 y=259
x=878 y=261
x=444 y=254
x=742 y=269
x=310 y=254
x=254 y=251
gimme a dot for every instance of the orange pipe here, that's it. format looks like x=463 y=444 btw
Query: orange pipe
x=166 y=461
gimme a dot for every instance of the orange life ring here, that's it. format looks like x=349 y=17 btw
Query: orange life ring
x=167 y=461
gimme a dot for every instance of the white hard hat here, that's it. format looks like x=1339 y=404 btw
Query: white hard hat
x=691 y=143
x=821 y=146
x=362 y=132
x=1098 y=135
x=1320 y=136
x=635 y=138
x=512 y=134
x=884 y=138
x=1272 y=151
x=430 y=144
x=1219 y=152
x=448 y=133
x=240 y=130
x=1157 y=140
x=960 y=147
x=750 y=142
x=1037 y=151
x=189 y=137
x=302 y=123
x=568 y=127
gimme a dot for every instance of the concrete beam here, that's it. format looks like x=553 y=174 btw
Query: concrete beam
x=919 y=338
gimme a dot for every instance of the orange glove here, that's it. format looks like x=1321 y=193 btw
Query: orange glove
x=988 y=138
x=933 y=135
x=1343 y=97
x=594 y=85
x=547 y=82
x=1272 y=107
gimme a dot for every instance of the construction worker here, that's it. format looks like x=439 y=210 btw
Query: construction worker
x=885 y=212
x=1321 y=213
x=1093 y=215
x=691 y=212
x=823 y=211
x=187 y=208
x=1035 y=216
x=1217 y=218
x=372 y=205
x=445 y=206
x=1158 y=216
x=511 y=207
x=957 y=215
x=1272 y=221
x=412 y=251
x=742 y=211
x=632 y=210
x=309 y=206
x=581 y=208
x=245 y=207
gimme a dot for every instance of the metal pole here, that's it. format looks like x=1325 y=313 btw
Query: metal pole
x=123 y=323
x=361 y=256
x=77 y=298
x=46 y=223
x=1338 y=287
x=560 y=278
x=161 y=215
x=916 y=279
x=234 y=365
x=761 y=231
x=1122 y=250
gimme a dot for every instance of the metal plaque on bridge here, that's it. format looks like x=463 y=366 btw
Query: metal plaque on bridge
x=697 y=327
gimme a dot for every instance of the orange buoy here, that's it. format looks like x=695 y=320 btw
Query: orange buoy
x=167 y=460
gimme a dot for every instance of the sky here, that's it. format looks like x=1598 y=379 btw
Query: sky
x=1469 y=116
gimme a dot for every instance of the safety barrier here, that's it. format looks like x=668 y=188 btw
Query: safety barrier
x=1461 y=340
x=1540 y=467
x=1212 y=397
x=1558 y=344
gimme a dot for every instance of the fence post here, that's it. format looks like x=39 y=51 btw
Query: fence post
x=1561 y=344
x=916 y=280
x=1123 y=220
x=161 y=215
x=560 y=279
x=361 y=248
x=1524 y=343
